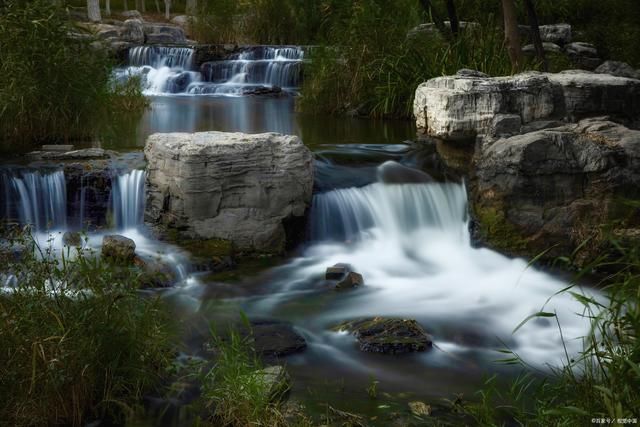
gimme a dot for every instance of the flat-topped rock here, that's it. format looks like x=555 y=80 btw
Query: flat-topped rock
x=388 y=335
x=462 y=107
x=243 y=188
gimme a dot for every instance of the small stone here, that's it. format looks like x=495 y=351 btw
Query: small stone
x=419 y=408
x=276 y=339
x=337 y=272
x=352 y=280
x=72 y=238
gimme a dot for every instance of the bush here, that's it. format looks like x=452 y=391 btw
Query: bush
x=54 y=87
x=76 y=340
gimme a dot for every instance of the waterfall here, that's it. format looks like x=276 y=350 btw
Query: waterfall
x=170 y=70
x=394 y=210
x=128 y=199
x=37 y=198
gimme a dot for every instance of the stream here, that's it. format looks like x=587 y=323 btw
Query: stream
x=411 y=243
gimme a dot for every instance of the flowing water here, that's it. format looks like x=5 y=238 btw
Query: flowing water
x=172 y=70
x=411 y=242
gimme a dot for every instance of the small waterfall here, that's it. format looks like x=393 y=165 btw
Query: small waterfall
x=158 y=57
x=170 y=70
x=128 y=199
x=37 y=198
x=394 y=210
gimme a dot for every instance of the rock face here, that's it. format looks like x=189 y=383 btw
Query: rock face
x=118 y=248
x=554 y=188
x=388 y=335
x=462 y=107
x=242 y=188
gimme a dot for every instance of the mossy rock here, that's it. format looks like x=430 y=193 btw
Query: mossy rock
x=496 y=231
x=388 y=335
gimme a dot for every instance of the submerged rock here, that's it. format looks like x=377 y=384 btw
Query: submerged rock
x=276 y=339
x=118 y=248
x=419 y=409
x=247 y=189
x=388 y=335
x=392 y=172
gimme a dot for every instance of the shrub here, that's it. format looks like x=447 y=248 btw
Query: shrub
x=76 y=340
x=54 y=86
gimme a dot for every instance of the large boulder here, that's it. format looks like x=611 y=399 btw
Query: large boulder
x=133 y=31
x=243 y=188
x=163 y=34
x=555 y=188
x=559 y=34
x=465 y=106
x=583 y=55
x=461 y=107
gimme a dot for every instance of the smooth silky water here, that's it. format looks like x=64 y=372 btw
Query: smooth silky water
x=411 y=242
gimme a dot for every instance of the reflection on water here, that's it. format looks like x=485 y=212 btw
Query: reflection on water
x=250 y=115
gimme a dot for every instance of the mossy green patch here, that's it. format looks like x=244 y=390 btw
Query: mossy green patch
x=246 y=266
x=498 y=232
x=207 y=248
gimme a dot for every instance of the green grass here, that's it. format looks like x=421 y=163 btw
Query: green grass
x=53 y=88
x=87 y=350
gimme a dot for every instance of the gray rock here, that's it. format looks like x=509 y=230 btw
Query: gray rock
x=72 y=239
x=619 y=69
x=555 y=188
x=506 y=125
x=163 y=34
x=133 y=31
x=466 y=72
x=185 y=22
x=392 y=172
x=388 y=335
x=275 y=382
x=588 y=94
x=118 y=248
x=548 y=48
x=583 y=55
x=558 y=34
x=458 y=108
x=231 y=186
x=83 y=154
x=352 y=280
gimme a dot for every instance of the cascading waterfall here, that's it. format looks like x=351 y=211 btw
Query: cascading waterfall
x=395 y=210
x=37 y=198
x=412 y=245
x=128 y=199
x=170 y=70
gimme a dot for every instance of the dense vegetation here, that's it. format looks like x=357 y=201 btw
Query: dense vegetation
x=77 y=342
x=54 y=86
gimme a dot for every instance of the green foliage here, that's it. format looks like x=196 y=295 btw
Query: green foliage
x=604 y=380
x=377 y=68
x=53 y=86
x=76 y=340
x=237 y=391
x=217 y=21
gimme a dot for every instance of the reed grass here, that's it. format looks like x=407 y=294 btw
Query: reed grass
x=77 y=342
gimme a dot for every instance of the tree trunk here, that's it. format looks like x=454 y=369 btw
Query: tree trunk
x=158 y=6
x=143 y=7
x=126 y=5
x=107 y=7
x=93 y=10
x=428 y=8
x=453 y=17
x=511 y=34
x=535 y=33
x=192 y=7
x=167 y=9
